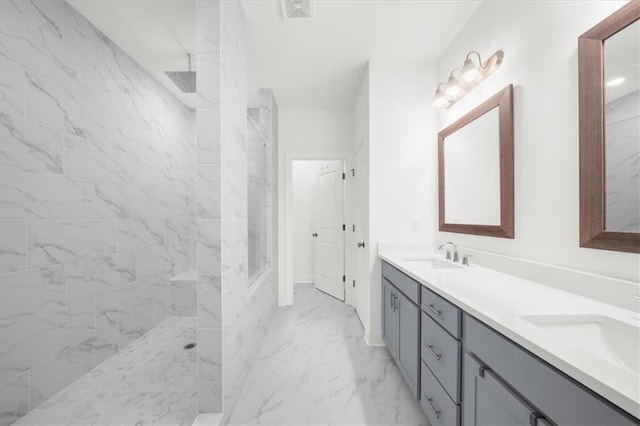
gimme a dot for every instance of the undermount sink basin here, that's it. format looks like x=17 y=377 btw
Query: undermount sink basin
x=603 y=336
x=431 y=262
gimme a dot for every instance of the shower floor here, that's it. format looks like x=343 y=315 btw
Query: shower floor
x=151 y=381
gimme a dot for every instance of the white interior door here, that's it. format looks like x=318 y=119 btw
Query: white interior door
x=329 y=235
x=361 y=240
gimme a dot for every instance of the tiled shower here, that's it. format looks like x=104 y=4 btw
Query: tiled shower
x=121 y=207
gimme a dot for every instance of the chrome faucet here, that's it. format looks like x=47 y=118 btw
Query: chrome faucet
x=455 y=251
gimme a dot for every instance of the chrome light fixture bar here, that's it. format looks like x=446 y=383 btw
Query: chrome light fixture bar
x=469 y=76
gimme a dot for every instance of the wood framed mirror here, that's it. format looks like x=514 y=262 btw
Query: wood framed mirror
x=475 y=170
x=609 y=105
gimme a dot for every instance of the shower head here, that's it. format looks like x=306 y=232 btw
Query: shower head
x=185 y=80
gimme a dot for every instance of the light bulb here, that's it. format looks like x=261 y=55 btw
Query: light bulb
x=439 y=101
x=469 y=71
x=453 y=90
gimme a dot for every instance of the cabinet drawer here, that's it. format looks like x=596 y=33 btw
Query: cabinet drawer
x=408 y=286
x=443 y=312
x=436 y=404
x=441 y=353
x=548 y=389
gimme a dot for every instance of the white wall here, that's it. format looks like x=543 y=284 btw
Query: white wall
x=315 y=130
x=402 y=164
x=541 y=61
x=304 y=185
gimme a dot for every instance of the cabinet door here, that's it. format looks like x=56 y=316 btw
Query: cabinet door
x=408 y=341
x=389 y=317
x=489 y=402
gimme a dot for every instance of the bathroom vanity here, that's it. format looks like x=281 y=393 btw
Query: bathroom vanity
x=474 y=352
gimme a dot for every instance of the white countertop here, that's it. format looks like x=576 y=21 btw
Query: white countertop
x=500 y=300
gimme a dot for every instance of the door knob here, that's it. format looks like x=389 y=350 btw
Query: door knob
x=361 y=244
x=315 y=235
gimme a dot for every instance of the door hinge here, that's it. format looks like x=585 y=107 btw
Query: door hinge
x=353 y=172
x=344 y=176
x=354 y=228
x=344 y=278
x=354 y=283
x=344 y=227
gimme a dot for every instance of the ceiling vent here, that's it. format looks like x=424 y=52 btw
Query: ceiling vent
x=297 y=10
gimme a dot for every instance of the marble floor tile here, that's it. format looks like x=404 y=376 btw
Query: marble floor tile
x=314 y=368
x=152 y=381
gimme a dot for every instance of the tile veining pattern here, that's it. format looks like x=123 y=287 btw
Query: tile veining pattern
x=229 y=334
x=315 y=369
x=96 y=161
x=151 y=381
x=623 y=163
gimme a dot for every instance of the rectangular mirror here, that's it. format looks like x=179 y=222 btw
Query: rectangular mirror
x=475 y=170
x=609 y=83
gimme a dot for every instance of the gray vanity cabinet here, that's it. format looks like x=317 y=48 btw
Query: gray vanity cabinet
x=401 y=324
x=490 y=401
x=408 y=342
x=549 y=395
x=389 y=317
x=464 y=372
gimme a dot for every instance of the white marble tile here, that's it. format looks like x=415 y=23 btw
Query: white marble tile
x=208 y=250
x=27 y=344
x=34 y=195
x=153 y=261
x=210 y=397
x=14 y=399
x=43 y=101
x=207 y=26
x=210 y=354
x=208 y=191
x=208 y=69
x=29 y=145
x=27 y=294
x=91 y=159
x=56 y=241
x=208 y=135
x=13 y=246
x=11 y=87
x=315 y=368
x=135 y=234
x=233 y=187
x=92 y=277
x=151 y=381
x=184 y=298
x=161 y=308
x=32 y=35
x=209 y=301
x=55 y=374
x=122 y=201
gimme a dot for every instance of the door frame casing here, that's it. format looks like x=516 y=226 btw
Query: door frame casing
x=285 y=207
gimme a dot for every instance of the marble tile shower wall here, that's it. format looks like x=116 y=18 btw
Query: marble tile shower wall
x=208 y=195
x=623 y=163
x=96 y=163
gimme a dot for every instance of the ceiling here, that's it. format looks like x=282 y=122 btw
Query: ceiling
x=319 y=62
x=310 y=64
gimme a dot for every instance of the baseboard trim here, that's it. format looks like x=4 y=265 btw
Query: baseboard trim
x=372 y=339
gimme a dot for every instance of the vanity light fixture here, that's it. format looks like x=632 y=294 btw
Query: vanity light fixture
x=470 y=75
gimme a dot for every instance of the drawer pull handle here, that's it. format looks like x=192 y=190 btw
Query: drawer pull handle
x=433 y=352
x=435 y=412
x=434 y=310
